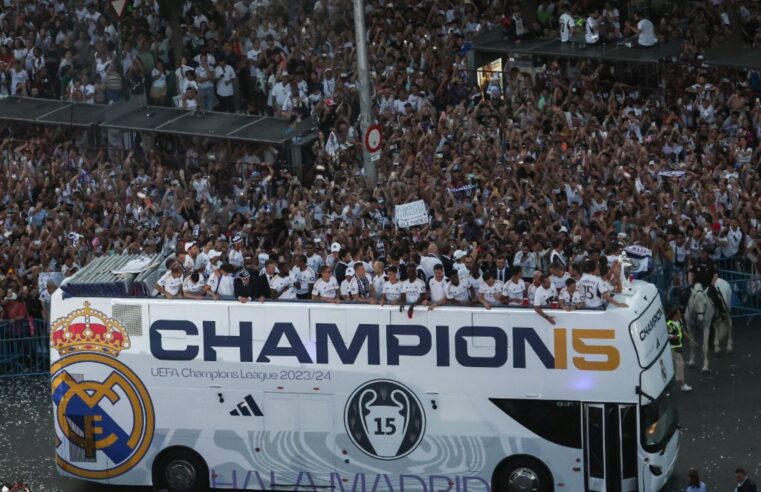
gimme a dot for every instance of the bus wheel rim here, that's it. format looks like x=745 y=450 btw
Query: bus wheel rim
x=180 y=474
x=523 y=480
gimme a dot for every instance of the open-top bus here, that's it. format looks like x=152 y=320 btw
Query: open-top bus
x=187 y=395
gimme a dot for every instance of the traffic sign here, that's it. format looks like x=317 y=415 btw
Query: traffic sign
x=373 y=138
x=119 y=7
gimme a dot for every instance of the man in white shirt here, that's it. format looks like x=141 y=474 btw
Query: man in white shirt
x=459 y=264
x=392 y=288
x=595 y=290
x=303 y=278
x=282 y=283
x=235 y=255
x=413 y=288
x=192 y=287
x=437 y=287
x=221 y=283
x=567 y=25
x=526 y=260
x=349 y=287
x=514 y=289
x=314 y=261
x=592 y=27
x=643 y=31
x=326 y=287
x=377 y=279
x=536 y=281
x=544 y=295
x=457 y=292
x=558 y=276
x=225 y=77
x=170 y=284
x=570 y=297
x=431 y=260
x=490 y=291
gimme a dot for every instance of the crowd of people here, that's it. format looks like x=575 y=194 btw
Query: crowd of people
x=562 y=167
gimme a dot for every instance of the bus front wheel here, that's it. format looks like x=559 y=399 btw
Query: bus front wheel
x=522 y=474
x=180 y=470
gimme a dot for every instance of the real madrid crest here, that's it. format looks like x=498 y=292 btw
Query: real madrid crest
x=104 y=418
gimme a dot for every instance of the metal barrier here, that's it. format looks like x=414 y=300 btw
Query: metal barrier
x=746 y=292
x=24 y=347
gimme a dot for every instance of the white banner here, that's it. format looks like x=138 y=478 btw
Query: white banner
x=411 y=214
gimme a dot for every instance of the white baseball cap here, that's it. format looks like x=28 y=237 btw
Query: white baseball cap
x=459 y=254
x=350 y=272
x=335 y=247
x=263 y=257
x=189 y=245
x=214 y=253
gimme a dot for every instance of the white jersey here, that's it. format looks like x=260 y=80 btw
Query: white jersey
x=413 y=290
x=491 y=292
x=325 y=289
x=315 y=262
x=592 y=289
x=222 y=285
x=569 y=299
x=438 y=289
x=543 y=297
x=392 y=291
x=170 y=283
x=566 y=25
x=235 y=258
x=190 y=287
x=531 y=290
x=514 y=291
x=462 y=272
x=377 y=283
x=559 y=282
x=349 y=287
x=283 y=285
x=457 y=292
x=304 y=277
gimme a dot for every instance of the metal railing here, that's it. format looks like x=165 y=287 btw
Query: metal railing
x=24 y=347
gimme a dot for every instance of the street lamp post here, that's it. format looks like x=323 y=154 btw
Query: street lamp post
x=365 y=104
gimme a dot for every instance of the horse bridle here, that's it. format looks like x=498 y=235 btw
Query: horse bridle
x=705 y=293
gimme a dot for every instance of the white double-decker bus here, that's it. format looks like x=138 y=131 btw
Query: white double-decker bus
x=188 y=395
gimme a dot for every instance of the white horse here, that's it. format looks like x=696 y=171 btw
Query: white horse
x=700 y=317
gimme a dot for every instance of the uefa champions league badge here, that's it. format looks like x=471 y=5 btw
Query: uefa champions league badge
x=384 y=419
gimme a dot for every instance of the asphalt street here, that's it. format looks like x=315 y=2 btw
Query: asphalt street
x=721 y=425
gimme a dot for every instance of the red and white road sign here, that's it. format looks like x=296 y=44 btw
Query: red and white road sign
x=373 y=138
x=119 y=7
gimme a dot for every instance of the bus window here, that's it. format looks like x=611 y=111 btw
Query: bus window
x=555 y=420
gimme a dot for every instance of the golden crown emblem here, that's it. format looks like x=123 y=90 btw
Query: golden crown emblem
x=88 y=330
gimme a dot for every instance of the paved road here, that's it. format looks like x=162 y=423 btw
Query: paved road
x=721 y=425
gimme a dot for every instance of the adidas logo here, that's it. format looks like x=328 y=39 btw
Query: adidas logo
x=247 y=408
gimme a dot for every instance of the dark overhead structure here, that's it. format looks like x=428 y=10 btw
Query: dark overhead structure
x=490 y=45
x=52 y=112
x=255 y=129
x=733 y=55
x=294 y=138
x=156 y=119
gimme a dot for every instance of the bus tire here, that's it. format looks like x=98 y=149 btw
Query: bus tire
x=522 y=474
x=180 y=470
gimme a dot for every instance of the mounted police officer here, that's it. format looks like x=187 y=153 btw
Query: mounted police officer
x=704 y=272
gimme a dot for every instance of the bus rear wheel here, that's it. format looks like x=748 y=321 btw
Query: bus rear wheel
x=522 y=474
x=180 y=470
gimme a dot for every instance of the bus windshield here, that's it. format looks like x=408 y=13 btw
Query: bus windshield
x=659 y=420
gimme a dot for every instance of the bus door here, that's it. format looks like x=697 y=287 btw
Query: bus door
x=298 y=427
x=610 y=447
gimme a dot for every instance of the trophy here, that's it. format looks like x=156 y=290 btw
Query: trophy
x=385 y=425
